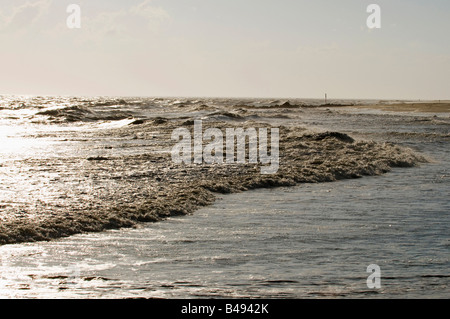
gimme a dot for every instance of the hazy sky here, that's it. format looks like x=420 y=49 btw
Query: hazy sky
x=227 y=48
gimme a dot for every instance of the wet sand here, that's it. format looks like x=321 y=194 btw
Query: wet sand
x=427 y=107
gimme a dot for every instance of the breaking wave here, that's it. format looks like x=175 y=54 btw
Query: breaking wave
x=84 y=114
x=119 y=174
x=97 y=193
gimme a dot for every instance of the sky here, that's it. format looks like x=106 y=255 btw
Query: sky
x=226 y=48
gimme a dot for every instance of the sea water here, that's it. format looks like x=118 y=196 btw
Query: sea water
x=308 y=241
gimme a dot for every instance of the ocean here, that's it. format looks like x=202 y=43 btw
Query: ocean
x=69 y=163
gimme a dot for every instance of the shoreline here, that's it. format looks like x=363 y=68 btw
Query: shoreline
x=422 y=107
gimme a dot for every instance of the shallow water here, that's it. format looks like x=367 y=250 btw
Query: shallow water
x=309 y=241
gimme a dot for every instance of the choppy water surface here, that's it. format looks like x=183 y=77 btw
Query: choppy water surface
x=310 y=241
